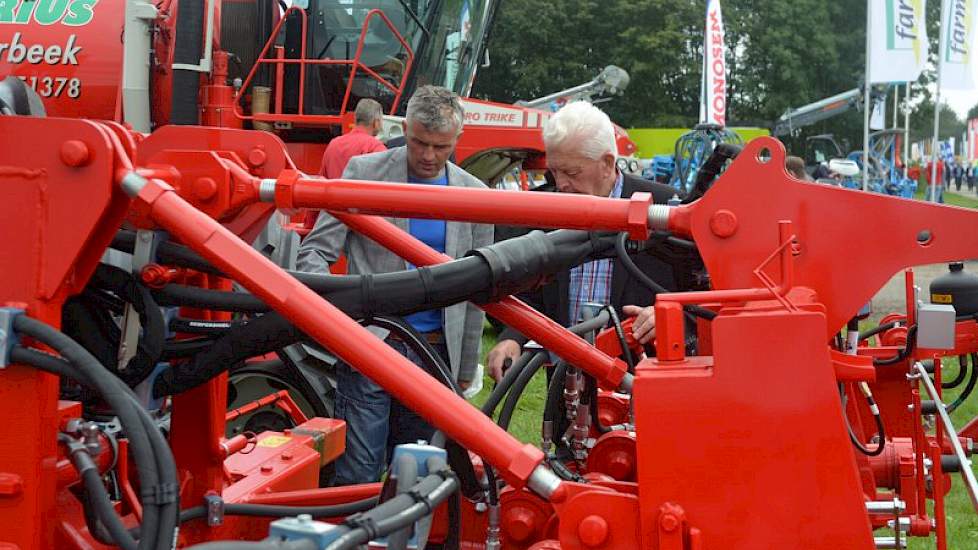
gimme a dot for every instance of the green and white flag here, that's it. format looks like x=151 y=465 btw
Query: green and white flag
x=958 y=50
x=898 y=44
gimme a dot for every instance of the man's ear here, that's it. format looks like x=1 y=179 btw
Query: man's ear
x=609 y=160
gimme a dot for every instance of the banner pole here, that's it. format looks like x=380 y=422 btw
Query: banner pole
x=941 y=44
x=866 y=100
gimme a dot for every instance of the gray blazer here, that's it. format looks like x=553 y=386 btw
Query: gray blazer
x=330 y=238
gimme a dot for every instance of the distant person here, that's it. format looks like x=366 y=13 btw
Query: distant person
x=360 y=140
x=796 y=167
x=937 y=182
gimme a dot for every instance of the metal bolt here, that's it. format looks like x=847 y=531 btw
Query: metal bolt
x=593 y=531
x=266 y=469
x=304 y=518
x=75 y=153
x=669 y=522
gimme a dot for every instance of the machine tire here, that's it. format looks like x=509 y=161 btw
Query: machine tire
x=252 y=380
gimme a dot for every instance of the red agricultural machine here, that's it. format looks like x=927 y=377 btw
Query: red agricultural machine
x=785 y=427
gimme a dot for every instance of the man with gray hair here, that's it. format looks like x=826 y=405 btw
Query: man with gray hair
x=581 y=156
x=375 y=421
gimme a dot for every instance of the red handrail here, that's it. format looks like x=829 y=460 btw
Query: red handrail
x=355 y=65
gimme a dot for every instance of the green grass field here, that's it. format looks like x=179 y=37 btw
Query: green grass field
x=962 y=522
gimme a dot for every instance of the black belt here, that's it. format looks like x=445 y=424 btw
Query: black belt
x=435 y=337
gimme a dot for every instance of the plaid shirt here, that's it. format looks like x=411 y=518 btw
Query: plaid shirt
x=591 y=282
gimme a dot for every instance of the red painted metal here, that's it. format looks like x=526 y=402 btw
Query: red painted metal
x=337 y=332
x=467 y=204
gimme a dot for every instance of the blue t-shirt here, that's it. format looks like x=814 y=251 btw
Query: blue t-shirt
x=431 y=233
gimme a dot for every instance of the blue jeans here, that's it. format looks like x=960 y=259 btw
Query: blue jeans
x=375 y=421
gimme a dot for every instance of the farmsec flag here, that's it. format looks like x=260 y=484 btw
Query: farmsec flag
x=898 y=40
x=715 y=65
x=958 y=50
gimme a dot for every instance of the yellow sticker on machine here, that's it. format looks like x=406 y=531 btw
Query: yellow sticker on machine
x=274 y=441
x=941 y=299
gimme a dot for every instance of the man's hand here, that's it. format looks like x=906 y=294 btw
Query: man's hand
x=643 y=329
x=503 y=350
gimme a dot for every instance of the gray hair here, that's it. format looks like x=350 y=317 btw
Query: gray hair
x=436 y=108
x=582 y=126
x=368 y=110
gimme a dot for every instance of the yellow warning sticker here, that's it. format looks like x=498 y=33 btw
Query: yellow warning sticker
x=941 y=299
x=274 y=441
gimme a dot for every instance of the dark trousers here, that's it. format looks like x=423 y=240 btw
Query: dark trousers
x=375 y=421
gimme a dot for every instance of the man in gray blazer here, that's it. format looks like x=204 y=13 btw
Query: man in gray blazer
x=375 y=421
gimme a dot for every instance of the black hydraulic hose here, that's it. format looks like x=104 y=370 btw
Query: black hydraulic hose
x=584 y=327
x=111 y=390
x=168 y=253
x=551 y=407
x=880 y=429
x=647 y=282
x=969 y=387
x=500 y=269
x=197 y=326
x=431 y=358
x=960 y=376
x=512 y=373
x=513 y=397
x=625 y=350
x=160 y=449
x=187 y=50
x=100 y=516
x=151 y=340
x=878 y=329
x=902 y=354
x=181 y=349
x=591 y=387
x=275 y=511
x=106 y=513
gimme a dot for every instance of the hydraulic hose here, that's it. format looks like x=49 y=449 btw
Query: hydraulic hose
x=150 y=452
x=400 y=511
x=264 y=510
x=969 y=387
x=303 y=544
x=187 y=50
x=513 y=397
x=109 y=388
x=436 y=365
x=960 y=376
x=407 y=476
x=625 y=350
x=97 y=498
x=497 y=394
x=591 y=388
x=903 y=353
x=647 y=282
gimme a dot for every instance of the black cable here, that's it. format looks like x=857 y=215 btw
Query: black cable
x=654 y=287
x=110 y=388
x=903 y=353
x=591 y=389
x=489 y=407
x=878 y=329
x=959 y=377
x=429 y=356
x=625 y=350
x=181 y=349
x=969 y=387
x=880 y=430
x=101 y=519
x=552 y=404
x=513 y=397
x=197 y=326
x=268 y=510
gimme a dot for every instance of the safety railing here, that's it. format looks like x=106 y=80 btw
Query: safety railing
x=279 y=62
